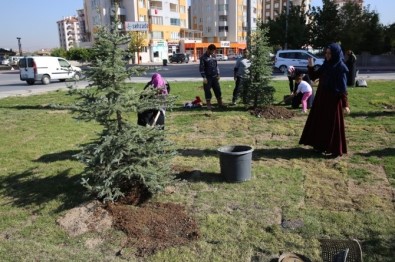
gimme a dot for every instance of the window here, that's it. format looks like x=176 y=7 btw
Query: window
x=182 y=9
x=175 y=35
x=142 y=3
x=174 y=21
x=303 y=56
x=142 y=18
x=173 y=8
x=223 y=18
x=223 y=7
x=63 y=63
x=222 y=29
x=156 y=20
x=157 y=35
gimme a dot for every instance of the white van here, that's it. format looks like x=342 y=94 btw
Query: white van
x=295 y=58
x=46 y=68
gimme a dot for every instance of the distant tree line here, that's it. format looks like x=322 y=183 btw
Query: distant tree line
x=135 y=45
x=354 y=27
x=75 y=53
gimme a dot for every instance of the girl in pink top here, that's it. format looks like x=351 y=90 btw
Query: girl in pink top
x=305 y=89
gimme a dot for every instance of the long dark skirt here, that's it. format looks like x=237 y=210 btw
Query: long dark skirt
x=324 y=129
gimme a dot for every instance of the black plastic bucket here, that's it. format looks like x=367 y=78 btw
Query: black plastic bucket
x=235 y=162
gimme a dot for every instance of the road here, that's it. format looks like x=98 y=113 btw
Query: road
x=10 y=84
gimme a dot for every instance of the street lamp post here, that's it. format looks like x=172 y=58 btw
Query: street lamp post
x=248 y=24
x=286 y=27
x=20 y=46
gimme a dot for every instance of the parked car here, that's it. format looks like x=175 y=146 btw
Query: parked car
x=296 y=58
x=234 y=56
x=14 y=60
x=179 y=58
x=46 y=68
x=5 y=61
x=221 y=57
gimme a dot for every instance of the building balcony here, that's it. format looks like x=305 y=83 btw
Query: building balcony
x=222 y=23
x=223 y=12
x=156 y=12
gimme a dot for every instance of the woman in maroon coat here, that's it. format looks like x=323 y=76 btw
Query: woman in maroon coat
x=324 y=129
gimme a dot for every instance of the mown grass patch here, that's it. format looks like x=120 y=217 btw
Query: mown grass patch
x=348 y=197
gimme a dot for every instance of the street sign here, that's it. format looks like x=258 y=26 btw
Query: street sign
x=136 y=26
x=225 y=43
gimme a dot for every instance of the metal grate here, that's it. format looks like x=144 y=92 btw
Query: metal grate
x=335 y=250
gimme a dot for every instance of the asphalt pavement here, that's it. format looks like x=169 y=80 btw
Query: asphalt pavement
x=11 y=85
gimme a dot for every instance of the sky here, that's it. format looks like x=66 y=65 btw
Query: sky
x=34 y=21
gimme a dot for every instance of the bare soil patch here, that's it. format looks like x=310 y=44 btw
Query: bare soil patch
x=154 y=226
x=272 y=112
x=149 y=227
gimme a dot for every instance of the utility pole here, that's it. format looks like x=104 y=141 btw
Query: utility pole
x=286 y=27
x=20 y=46
x=248 y=24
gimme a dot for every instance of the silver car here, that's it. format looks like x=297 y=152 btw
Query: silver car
x=5 y=61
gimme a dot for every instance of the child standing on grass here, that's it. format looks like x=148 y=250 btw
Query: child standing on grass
x=305 y=89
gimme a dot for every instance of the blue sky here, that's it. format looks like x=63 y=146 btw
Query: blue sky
x=34 y=21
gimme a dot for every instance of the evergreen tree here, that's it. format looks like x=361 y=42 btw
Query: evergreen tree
x=124 y=156
x=256 y=90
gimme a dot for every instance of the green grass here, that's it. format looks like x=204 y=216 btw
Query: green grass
x=350 y=197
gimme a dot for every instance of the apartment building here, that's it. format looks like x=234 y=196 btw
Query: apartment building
x=222 y=22
x=342 y=2
x=273 y=8
x=166 y=21
x=69 y=32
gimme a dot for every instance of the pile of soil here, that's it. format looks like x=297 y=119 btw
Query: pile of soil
x=272 y=112
x=149 y=226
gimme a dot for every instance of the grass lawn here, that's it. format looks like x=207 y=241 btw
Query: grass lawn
x=294 y=198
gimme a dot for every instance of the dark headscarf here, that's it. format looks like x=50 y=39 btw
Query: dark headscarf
x=335 y=70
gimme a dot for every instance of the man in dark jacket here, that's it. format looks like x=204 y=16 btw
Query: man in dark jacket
x=352 y=69
x=210 y=72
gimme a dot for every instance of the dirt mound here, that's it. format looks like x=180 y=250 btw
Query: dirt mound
x=149 y=228
x=272 y=112
x=154 y=226
x=87 y=217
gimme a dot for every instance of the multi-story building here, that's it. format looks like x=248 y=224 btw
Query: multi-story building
x=69 y=32
x=167 y=20
x=224 y=23
x=342 y=2
x=273 y=8
x=81 y=22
